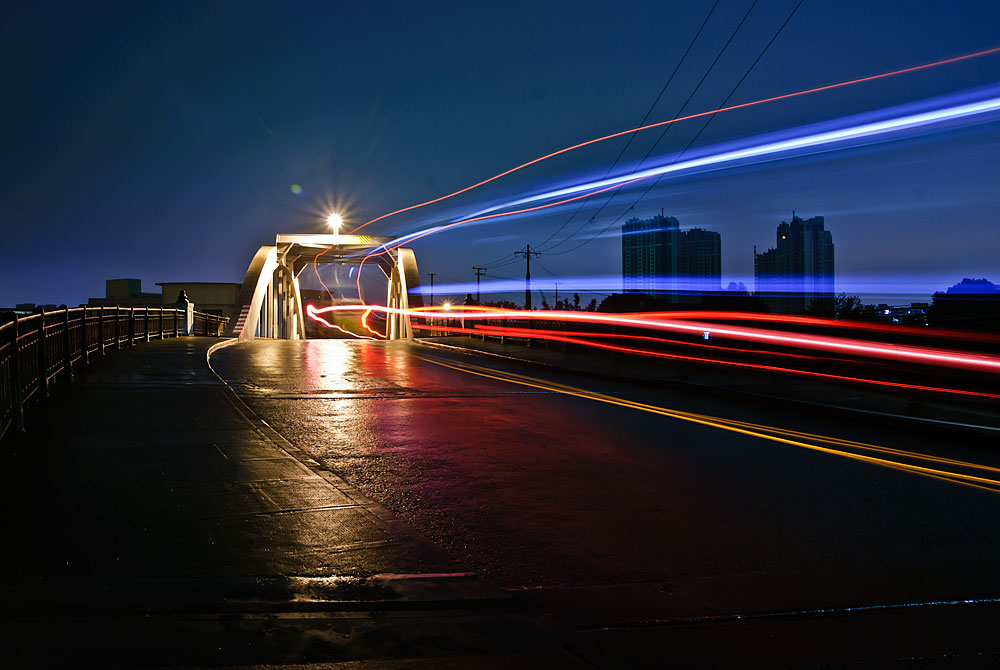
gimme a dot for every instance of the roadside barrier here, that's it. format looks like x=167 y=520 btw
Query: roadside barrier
x=38 y=350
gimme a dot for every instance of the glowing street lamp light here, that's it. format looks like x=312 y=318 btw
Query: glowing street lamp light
x=335 y=221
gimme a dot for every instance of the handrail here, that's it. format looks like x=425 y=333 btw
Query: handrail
x=42 y=349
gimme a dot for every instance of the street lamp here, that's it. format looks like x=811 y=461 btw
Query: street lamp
x=335 y=221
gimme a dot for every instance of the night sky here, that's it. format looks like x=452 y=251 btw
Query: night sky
x=161 y=140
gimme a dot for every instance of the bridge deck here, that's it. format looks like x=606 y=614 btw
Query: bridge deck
x=157 y=522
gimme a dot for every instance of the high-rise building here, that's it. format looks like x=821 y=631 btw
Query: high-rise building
x=658 y=257
x=799 y=269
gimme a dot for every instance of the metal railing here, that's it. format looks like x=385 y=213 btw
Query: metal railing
x=38 y=350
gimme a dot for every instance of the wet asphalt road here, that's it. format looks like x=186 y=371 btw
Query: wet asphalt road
x=541 y=489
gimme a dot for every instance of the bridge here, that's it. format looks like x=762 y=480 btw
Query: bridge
x=271 y=299
x=546 y=489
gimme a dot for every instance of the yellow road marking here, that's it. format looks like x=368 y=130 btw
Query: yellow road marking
x=779 y=435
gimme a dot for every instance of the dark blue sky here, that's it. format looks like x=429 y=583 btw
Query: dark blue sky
x=159 y=140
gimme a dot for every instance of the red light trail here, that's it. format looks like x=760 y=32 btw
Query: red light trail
x=524 y=332
x=364 y=318
x=828 y=323
x=315 y=316
x=438 y=229
x=480 y=329
x=785 y=96
x=666 y=322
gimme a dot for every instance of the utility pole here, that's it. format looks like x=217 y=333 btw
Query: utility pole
x=432 y=287
x=557 y=295
x=479 y=273
x=527 y=253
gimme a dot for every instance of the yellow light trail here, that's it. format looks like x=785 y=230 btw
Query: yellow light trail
x=780 y=435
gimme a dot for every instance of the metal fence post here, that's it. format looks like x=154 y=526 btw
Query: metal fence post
x=43 y=357
x=131 y=326
x=15 y=377
x=67 y=347
x=145 y=321
x=118 y=327
x=100 y=329
x=84 y=339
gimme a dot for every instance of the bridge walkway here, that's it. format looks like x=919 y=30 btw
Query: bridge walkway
x=153 y=520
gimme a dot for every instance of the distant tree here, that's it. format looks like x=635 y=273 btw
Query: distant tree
x=841 y=306
x=502 y=304
x=972 y=304
x=974 y=287
x=633 y=302
x=822 y=307
x=733 y=301
x=848 y=306
x=592 y=305
x=545 y=304
x=576 y=301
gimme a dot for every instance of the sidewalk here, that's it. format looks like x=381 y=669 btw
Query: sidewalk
x=152 y=520
x=980 y=420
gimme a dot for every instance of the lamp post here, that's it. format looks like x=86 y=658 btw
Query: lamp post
x=335 y=221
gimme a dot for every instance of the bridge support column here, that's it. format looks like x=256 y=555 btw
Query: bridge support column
x=402 y=277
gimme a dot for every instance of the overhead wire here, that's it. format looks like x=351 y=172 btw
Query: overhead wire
x=652 y=107
x=652 y=147
x=644 y=118
x=713 y=112
x=689 y=144
x=752 y=103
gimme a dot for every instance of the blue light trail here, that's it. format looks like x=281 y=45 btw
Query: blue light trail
x=771 y=150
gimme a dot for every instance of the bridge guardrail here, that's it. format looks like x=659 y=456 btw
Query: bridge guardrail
x=39 y=349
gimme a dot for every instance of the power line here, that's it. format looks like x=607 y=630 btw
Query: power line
x=505 y=257
x=511 y=260
x=644 y=118
x=693 y=139
x=539 y=263
x=680 y=111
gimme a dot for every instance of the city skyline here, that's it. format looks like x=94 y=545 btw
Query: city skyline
x=659 y=257
x=800 y=268
x=899 y=291
x=225 y=168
